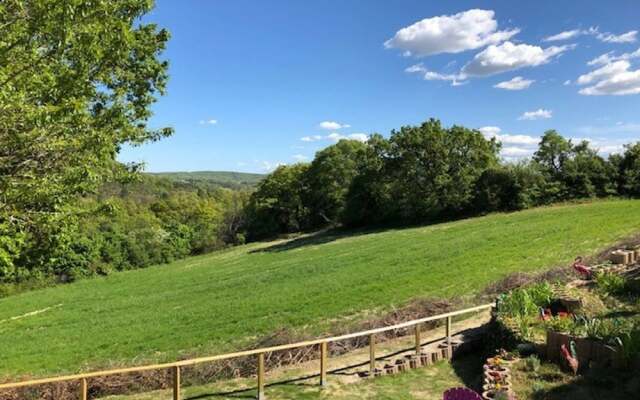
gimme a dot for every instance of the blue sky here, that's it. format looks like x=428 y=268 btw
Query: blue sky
x=251 y=82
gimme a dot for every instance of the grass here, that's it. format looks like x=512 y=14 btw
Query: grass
x=225 y=300
x=423 y=383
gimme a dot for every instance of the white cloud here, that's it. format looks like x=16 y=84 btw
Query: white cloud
x=456 y=33
x=567 y=82
x=494 y=132
x=208 y=122
x=332 y=125
x=300 y=157
x=628 y=37
x=517 y=83
x=615 y=78
x=605 y=72
x=490 y=131
x=537 y=114
x=335 y=137
x=360 y=137
x=566 y=35
x=516 y=152
x=509 y=56
x=314 y=138
x=609 y=57
x=455 y=79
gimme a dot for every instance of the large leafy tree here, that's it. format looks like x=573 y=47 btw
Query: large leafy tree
x=277 y=206
x=435 y=169
x=77 y=79
x=629 y=167
x=329 y=177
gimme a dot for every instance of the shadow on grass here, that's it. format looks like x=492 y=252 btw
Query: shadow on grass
x=303 y=381
x=318 y=238
x=469 y=369
x=595 y=385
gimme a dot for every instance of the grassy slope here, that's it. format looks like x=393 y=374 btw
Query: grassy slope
x=221 y=177
x=222 y=301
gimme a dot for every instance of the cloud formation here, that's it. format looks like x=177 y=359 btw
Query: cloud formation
x=566 y=35
x=537 y=114
x=607 y=37
x=208 y=121
x=335 y=137
x=456 y=33
x=517 y=83
x=628 y=37
x=615 y=78
x=509 y=56
x=332 y=125
x=427 y=75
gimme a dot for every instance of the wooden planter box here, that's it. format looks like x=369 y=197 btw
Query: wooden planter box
x=624 y=257
x=588 y=351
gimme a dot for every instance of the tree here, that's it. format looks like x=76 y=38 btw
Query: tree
x=368 y=199
x=329 y=177
x=630 y=170
x=435 y=169
x=277 y=205
x=77 y=79
x=553 y=151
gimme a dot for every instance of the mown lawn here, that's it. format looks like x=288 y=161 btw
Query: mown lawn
x=223 y=301
x=426 y=383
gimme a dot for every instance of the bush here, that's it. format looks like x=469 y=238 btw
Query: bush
x=525 y=302
x=610 y=284
x=532 y=364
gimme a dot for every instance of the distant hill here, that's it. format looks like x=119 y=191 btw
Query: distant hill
x=222 y=178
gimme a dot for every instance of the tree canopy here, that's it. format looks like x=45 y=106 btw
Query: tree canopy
x=77 y=79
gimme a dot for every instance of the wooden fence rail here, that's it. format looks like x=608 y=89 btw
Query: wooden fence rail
x=175 y=367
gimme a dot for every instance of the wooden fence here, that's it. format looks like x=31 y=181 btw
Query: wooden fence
x=260 y=355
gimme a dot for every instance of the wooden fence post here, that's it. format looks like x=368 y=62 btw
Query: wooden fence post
x=176 y=383
x=261 y=376
x=418 y=340
x=323 y=363
x=372 y=354
x=83 y=389
x=449 y=354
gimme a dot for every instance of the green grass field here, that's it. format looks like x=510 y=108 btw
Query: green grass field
x=225 y=300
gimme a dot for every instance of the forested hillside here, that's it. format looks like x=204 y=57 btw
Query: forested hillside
x=228 y=179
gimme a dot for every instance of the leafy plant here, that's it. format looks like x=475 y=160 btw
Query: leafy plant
x=532 y=364
x=557 y=324
x=610 y=284
x=629 y=343
x=525 y=301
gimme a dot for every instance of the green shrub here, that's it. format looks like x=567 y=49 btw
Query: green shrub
x=525 y=302
x=532 y=364
x=610 y=284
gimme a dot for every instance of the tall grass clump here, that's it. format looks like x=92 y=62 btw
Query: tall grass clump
x=525 y=302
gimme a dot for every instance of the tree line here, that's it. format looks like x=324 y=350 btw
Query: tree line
x=431 y=173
